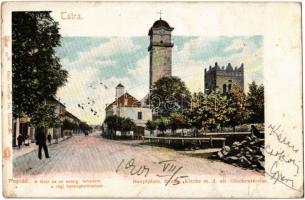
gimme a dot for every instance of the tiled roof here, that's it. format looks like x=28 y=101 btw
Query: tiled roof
x=125 y=100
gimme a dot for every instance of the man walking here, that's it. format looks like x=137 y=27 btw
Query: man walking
x=41 y=142
x=20 y=140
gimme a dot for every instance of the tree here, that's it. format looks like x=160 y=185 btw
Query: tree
x=71 y=126
x=162 y=123
x=44 y=116
x=216 y=108
x=113 y=123
x=169 y=95
x=117 y=123
x=177 y=121
x=127 y=124
x=36 y=70
x=208 y=111
x=84 y=127
x=197 y=112
x=255 y=103
x=151 y=126
x=236 y=111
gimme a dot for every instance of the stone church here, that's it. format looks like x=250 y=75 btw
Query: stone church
x=223 y=78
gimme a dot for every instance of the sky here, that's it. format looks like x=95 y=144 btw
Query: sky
x=97 y=64
x=108 y=44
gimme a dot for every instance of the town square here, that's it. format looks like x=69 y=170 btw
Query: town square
x=213 y=124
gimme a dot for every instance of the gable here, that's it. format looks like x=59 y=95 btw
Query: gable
x=125 y=100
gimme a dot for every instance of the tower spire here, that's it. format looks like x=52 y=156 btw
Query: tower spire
x=160 y=13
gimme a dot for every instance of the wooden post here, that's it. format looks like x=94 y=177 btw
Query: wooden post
x=211 y=143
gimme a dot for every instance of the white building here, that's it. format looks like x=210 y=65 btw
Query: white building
x=128 y=106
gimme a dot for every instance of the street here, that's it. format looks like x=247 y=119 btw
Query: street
x=81 y=155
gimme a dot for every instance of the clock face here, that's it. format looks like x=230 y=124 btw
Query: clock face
x=162 y=31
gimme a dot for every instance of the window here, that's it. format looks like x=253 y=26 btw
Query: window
x=139 y=115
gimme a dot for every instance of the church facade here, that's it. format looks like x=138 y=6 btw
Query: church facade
x=223 y=78
x=160 y=51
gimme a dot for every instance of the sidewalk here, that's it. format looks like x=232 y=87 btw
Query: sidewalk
x=32 y=147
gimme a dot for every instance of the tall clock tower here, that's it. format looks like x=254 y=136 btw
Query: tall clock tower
x=160 y=51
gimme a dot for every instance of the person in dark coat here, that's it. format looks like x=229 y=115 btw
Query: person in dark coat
x=20 y=140
x=41 y=142
x=255 y=131
x=49 y=138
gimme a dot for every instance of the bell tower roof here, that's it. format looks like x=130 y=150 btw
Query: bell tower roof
x=160 y=23
x=119 y=86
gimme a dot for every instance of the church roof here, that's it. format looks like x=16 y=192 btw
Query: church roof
x=160 y=23
x=125 y=100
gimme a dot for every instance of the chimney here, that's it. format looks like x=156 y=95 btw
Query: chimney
x=119 y=90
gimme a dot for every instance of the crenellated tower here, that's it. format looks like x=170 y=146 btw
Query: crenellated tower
x=223 y=78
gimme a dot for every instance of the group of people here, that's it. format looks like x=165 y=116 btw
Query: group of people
x=41 y=141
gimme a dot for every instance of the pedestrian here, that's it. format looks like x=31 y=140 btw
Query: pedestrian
x=255 y=132
x=41 y=142
x=49 y=138
x=20 y=140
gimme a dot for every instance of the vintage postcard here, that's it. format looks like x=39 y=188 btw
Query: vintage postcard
x=152 y=99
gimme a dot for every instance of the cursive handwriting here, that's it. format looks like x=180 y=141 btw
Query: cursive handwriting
x=278 y=171
x=278 y=176
x=281 y=139
x=168 y=168
x=133 y=169
x=281 y=156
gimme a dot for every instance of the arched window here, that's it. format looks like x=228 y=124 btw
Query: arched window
x=224 y=88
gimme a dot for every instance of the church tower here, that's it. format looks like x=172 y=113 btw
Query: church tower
x=160 y=51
